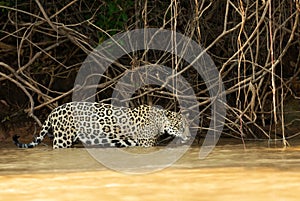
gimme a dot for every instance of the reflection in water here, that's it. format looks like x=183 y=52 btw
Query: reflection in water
x=229 y=173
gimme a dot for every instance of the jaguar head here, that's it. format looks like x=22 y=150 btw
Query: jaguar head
x=178 y=128
x=184 y=131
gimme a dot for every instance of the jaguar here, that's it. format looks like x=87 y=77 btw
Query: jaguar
x=107 y=125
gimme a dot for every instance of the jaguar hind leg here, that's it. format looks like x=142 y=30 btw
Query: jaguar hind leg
x=62 y=140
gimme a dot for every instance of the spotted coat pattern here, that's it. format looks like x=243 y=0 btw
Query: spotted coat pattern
x=108 y=126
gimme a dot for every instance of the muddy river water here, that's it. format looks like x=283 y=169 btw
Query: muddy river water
x=231 y=172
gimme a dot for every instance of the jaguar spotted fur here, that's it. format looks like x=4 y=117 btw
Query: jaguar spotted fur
x=109 y=126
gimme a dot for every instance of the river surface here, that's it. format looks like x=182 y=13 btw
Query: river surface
x=232 y=171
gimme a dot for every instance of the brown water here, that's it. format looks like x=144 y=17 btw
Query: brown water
x=230 y=172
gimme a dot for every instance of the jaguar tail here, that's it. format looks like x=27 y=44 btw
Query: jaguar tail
x=32 y=144
x=38 y=139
